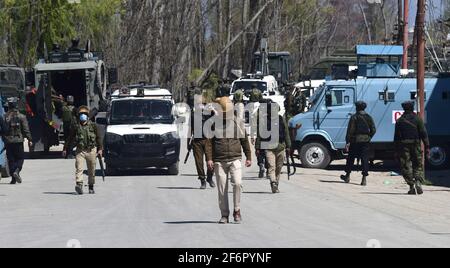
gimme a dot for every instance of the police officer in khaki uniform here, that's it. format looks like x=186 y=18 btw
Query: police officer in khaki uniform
x=198 y=142
x=224 y=156
x=255 y=98
x=16 y=130
x=85 y=137
x=410 y=132
x=277 y=145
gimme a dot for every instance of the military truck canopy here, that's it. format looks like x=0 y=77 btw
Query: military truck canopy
x=67 y=66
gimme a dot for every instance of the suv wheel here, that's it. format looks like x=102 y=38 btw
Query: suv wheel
x=174 y=169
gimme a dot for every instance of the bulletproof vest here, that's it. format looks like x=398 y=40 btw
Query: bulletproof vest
x=408 y=126
x=86 y=136
x=68 y=113
x=282 y=131
x=362 y=125
x=14 y=125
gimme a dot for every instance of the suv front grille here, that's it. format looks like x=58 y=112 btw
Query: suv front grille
x=136 y=139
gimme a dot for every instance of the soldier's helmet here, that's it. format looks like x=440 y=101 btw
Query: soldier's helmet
x=360 y=105
x=408 y=105
x=12 y=102
x=238 y=96
x=70 y=99
x=256 y=95
x=83 y=110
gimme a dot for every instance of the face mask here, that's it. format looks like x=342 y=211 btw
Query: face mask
x=83 y=118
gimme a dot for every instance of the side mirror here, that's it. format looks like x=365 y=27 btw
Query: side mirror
x=113 y=76
x=328 y=100
x=101 y=121
x=30 y=78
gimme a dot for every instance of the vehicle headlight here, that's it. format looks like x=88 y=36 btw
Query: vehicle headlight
x=113 y=138
x=169 y=137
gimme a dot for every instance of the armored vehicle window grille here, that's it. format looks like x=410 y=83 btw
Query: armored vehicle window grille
x=141 y=139
x=414 y=95
x=387 y=96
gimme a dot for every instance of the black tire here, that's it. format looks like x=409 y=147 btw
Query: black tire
x=174 y=169
x=439 y=157
x=315 y=155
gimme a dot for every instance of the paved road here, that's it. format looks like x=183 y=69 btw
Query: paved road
x=153 y=210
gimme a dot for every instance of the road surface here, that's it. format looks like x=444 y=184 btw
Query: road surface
x=150 y=209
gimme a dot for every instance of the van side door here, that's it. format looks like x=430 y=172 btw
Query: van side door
x=334 y=116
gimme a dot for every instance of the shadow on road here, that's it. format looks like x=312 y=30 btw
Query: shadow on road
x=258 y=193
x=385 y=193
x=190 y=222
x=339 y=182
x=59 y=193
x=178 y=188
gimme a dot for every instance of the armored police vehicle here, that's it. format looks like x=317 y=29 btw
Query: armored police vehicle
x=320 y=133
x=13 y=83
x=76 y=72
x=141 y=131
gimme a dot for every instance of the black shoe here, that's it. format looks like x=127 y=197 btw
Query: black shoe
x=17 y=177
x=211 y=182
x=13 y=182
x=419 y=188
x=79 y=189
x=412 y=190
x=346 y=178
x=202 y=184
x=91 y=189
x=274 y=188
x=364 y=181
x=237 y=217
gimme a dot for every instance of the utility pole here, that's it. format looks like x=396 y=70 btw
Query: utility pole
x=400 y=22
x=405 y=33
x=420 y=28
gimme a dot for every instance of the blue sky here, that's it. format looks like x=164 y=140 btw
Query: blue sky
x=413 y=9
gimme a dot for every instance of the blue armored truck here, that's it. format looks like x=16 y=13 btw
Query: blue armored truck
x=320 y=133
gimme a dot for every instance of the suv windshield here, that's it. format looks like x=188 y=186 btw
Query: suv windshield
x=141 y=112
x=248 y=86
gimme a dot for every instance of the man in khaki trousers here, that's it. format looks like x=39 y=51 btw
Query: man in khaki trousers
x=224 y=156
x=85 y=137
x=276 y=145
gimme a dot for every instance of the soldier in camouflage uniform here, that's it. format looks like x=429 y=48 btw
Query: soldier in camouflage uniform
x=85 y=137
x=68 y=117
x=238 y=101
x=257 y=97
x=361 y=130
x=16 y=130
x=410 y=132
x=277 y=145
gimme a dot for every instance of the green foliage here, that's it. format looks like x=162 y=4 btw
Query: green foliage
x=35 y=22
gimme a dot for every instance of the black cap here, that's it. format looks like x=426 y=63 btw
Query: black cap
x=408 y=105
x=360 y=105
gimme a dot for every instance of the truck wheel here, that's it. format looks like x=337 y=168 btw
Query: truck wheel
x=439 y=157
x=174 y=169
x=315 y=155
